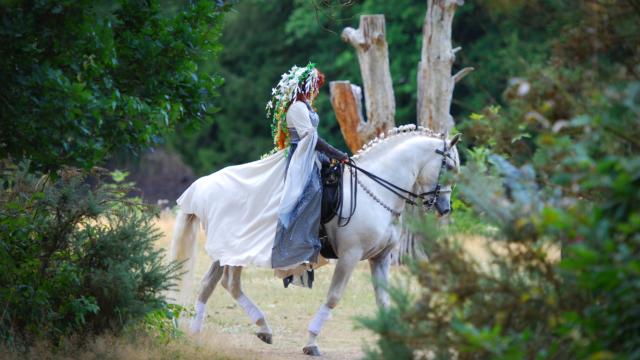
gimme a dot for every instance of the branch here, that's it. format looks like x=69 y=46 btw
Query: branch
x=352 y=36
x=462 y=73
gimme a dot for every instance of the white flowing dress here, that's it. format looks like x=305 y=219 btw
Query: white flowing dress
x=239 y=206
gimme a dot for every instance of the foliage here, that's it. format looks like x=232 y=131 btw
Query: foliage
x=163 y=322
x=76 y=256
x=557 y=175
x=83 y=79
x=500 y=39
x=254 y=58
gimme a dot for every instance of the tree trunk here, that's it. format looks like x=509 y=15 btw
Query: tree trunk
x=373 y=55
x=435 y=90
x=435 y=82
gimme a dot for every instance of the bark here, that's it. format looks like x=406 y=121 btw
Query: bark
x=435 y=82
x=346 y=100
x=373 y=56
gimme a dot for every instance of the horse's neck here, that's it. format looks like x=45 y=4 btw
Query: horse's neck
x=398 y=162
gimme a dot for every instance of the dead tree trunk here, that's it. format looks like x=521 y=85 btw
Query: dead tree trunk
x=373 y=55
x=435 y=89
x=435 y=93
x=435 y=82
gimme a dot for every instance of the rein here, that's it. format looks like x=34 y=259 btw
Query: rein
x=429 y=198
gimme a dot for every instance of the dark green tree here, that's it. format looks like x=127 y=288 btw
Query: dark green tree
x=251 y=64
x=84 y=79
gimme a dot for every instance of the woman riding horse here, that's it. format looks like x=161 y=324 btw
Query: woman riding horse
x=266 y=212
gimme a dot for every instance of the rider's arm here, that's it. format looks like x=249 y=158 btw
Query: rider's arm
x=326 y=148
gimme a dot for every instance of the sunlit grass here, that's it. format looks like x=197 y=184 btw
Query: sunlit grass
x=228 y=332
x=288 y=310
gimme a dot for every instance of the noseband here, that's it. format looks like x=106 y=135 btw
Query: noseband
x=427 y=199
x=430 y=198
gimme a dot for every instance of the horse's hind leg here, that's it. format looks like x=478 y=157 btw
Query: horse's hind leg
x=231 y=282
x=208 y=284
x=341 y=275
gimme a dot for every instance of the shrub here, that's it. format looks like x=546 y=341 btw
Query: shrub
x=85 y=79
x=76 y=256
x=557 y=175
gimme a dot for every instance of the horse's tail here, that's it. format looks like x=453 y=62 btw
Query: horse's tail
x=184 y=251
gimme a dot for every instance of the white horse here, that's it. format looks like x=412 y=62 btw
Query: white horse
x=407 y=157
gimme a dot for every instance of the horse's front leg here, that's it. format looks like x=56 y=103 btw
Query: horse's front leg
x=231 y=282
x=380 y=278
x=344 y=268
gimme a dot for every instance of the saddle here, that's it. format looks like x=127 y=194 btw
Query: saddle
x=331 y=174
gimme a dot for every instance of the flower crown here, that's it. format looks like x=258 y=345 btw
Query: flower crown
x=296 y=81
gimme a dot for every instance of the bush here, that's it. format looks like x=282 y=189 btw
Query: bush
x=85 y=79
x=76 y=256
x=526 y=301
x=557 y=174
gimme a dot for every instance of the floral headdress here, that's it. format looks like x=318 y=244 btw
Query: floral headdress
x=296 y=81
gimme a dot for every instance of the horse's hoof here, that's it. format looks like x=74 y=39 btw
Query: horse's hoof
x=311 y=350
x=195 y=327
x=266 y=337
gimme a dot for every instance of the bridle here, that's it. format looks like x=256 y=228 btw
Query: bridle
x=437 y=190
x=427 y=200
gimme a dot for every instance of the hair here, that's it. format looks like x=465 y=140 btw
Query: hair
x=302 y=96
x=309 y=81
x=281 y=137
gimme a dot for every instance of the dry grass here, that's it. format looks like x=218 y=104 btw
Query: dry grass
x=130 y=347
x=228 y=332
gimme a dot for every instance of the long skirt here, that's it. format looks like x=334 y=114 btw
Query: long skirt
x=298 y=242
x=238 y=207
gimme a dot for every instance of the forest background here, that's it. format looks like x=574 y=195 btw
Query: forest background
x=550 y=121
x=501 y=39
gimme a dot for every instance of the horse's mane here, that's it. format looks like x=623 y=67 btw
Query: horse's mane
x=396 y=133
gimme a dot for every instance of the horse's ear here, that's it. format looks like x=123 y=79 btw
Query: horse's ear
x=455 y=140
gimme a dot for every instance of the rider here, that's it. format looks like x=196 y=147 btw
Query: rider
x=294 y=126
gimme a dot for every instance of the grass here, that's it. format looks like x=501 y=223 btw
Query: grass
x=288 y=312
x=228 y=332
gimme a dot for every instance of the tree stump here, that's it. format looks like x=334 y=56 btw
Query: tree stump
x=346 y=100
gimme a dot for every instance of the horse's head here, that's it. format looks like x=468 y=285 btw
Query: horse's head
x=434 y=180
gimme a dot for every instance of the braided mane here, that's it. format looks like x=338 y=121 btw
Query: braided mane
x=396 y=132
